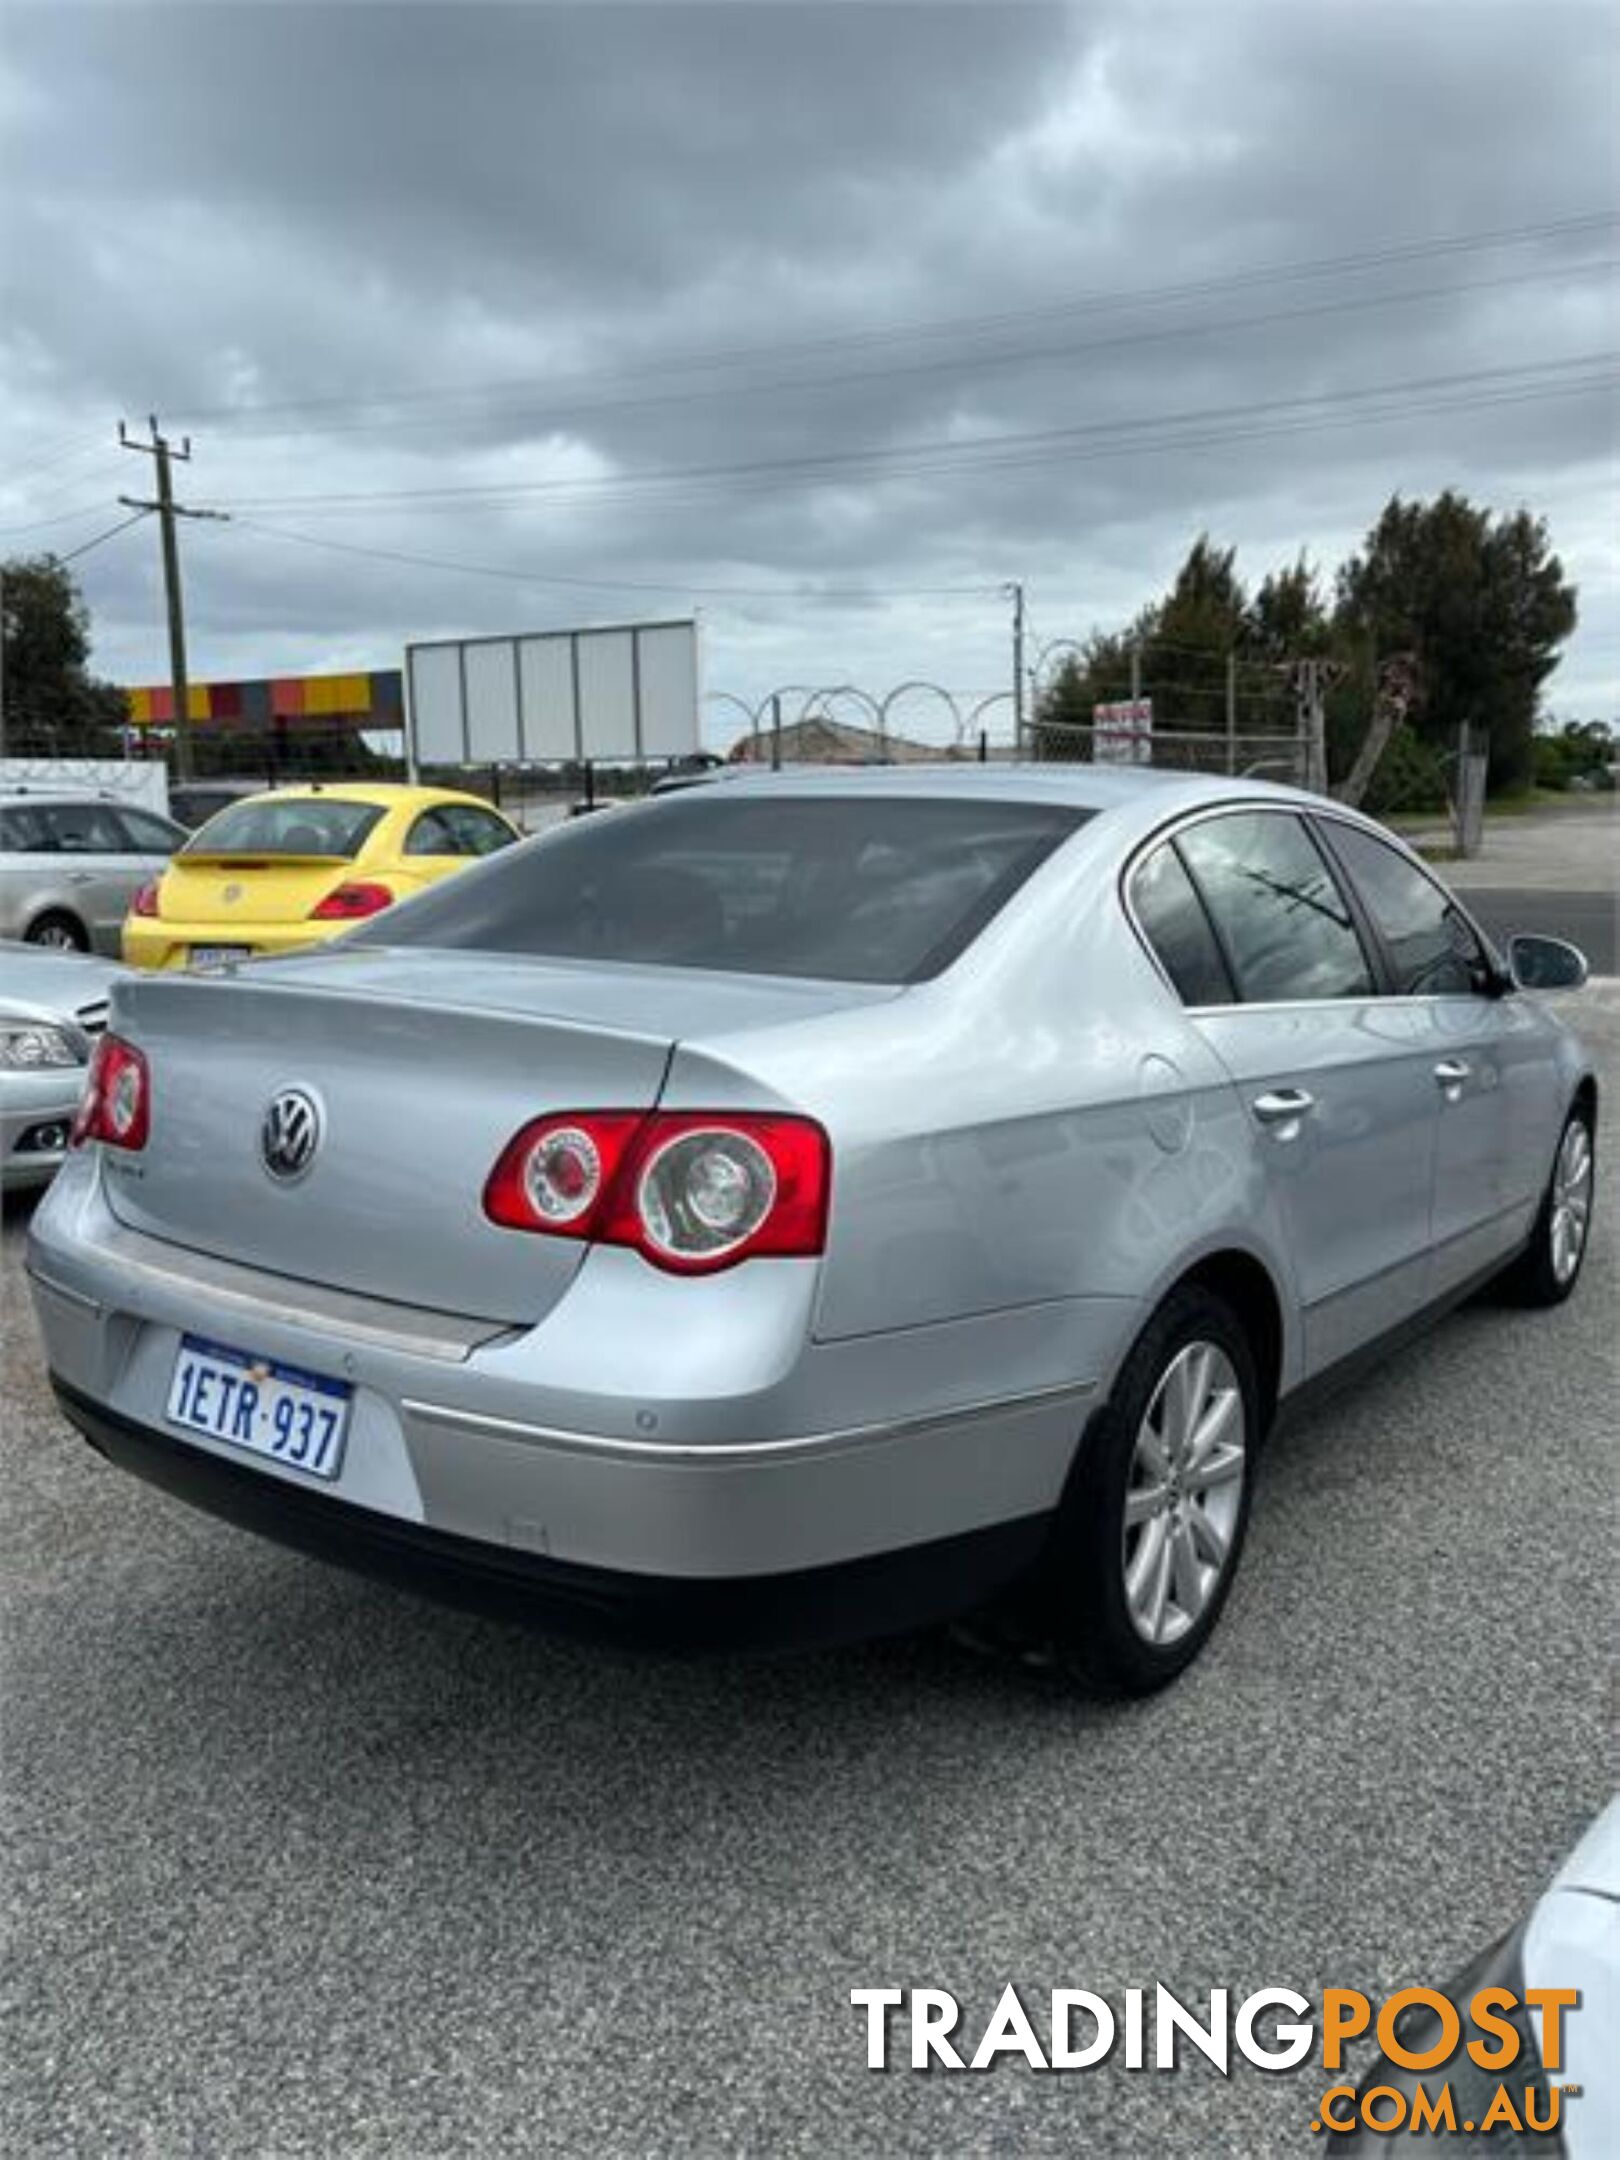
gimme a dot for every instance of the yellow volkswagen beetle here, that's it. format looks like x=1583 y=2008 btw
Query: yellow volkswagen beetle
x=285 y=869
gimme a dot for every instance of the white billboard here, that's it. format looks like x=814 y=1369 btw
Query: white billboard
x=1122 y=732
x=627 y=691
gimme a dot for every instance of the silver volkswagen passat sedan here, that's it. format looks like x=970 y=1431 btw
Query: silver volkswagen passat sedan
x=811 y=1205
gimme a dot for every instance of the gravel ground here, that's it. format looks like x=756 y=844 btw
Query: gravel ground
x=294 y=1865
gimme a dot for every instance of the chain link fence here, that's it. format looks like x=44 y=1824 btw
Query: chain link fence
x=1235 y=755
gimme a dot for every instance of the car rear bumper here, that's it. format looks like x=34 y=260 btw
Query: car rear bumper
x=154 y=942
x=757 y=1488
x=875 y=1594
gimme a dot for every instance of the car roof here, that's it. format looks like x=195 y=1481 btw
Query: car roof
x=381 y=794
x=1086 y=786
x=36 y=798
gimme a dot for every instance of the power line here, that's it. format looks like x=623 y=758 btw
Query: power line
x=951 y=364
x=1323 y=266
x=433 y=562
x=112 y=531
x=955 y=452
x=669 y=585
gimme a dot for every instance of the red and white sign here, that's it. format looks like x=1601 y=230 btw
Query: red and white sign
x=1122 y=733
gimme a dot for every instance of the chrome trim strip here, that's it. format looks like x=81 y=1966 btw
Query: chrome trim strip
x=448 y=1337
x=79 y=1298
x=500 y=1428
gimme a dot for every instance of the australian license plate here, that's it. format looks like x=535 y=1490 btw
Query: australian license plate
x=279 y=1411
x=207 y=956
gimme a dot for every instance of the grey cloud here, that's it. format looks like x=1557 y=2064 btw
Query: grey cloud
x=213 y=210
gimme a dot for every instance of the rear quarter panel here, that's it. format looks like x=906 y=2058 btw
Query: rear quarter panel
x=1039 y=1124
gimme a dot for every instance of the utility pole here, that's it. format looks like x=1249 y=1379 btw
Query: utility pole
x=1136 y=673
x=1015 y=592
x=162 y=452
x=1231 y=711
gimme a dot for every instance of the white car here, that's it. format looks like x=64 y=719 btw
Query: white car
x=53 y=1005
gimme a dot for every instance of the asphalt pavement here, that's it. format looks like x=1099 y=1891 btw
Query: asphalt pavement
x=296 y=1865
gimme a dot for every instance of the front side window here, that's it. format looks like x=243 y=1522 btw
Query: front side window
x=276 y=825
x=1175 y=925
x=875 y=889
x=1432 y=947
x=22 y=831
x=1283 y=922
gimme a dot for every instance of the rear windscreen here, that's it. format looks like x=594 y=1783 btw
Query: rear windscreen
x=845 y=889
x=311 y=825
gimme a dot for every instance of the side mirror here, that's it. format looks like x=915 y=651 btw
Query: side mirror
x=1545 y=963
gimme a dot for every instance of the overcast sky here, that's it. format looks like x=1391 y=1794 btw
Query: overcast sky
x=830 y=320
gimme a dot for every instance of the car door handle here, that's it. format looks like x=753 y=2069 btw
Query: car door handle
x=1450 y=1074
x=1283 y=1107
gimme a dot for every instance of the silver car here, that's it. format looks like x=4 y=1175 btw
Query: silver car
x=53 y=1006
x=70 y=865
x=815 y=1204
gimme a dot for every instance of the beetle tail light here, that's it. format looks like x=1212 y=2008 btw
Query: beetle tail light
x=692 y=1191
x=352 y=902
x=116 y=1106
x=145 y=901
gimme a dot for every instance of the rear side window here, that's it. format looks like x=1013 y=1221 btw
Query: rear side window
x=844 y=889
x=307 y=825
x=1283 y=922
x=149 y=835
x=1175 y=925
x=458 y=829
x=1432 y=947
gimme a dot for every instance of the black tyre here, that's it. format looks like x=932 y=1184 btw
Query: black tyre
x=60 y=931
x=1152 y=1524
x=1550 y=1266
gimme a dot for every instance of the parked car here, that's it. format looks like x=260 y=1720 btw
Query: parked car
x=71 y=864
x=1569 y=1940
x=811 y=1204
x=279 y=871
x=53 y=1006
x=194 y=802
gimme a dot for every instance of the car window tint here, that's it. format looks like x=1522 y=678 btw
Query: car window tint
x=880 y=890
x=1173 y=919
x=1431 y=945
x=272 y=825
x=1285 y=925
x=457 y=829
x=480 y=832
x=84 y=829
x=431 y=835
x=23 y=831
x=149 y=835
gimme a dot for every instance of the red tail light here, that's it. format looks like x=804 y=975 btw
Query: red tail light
x=691 y=1191
x=116 y=1106
x=349 y=903
x=145 y=901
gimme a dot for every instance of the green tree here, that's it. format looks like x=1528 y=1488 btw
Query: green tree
x=1481 y=602
x=54 y=706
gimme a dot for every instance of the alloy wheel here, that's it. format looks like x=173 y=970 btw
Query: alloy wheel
x=55 y=936
x=1571 y=1201
x=1184 y=1493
